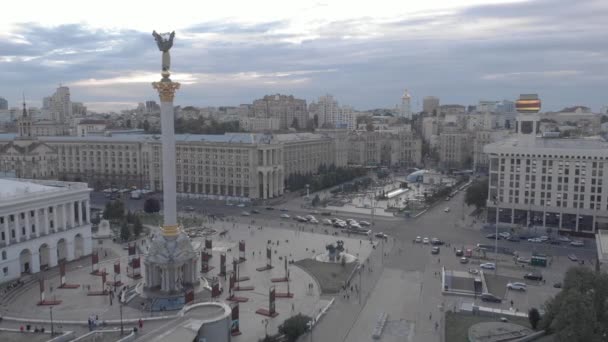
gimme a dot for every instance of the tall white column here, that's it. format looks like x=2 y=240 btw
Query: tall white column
x=88 y=211
x=28 y=228
x=71 y=219
x=64 y=218
x=264 y=185
x=46 y=220
x=55 y=222
x=37 y=222
x=7 y=231
x=17 y=227
x=79 y=213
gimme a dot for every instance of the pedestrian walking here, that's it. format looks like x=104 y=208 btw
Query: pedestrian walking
x=436 y=326
x=141 y=324
x=430 y=316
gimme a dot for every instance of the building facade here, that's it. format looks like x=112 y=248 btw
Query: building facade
x=253 y=124
x=286 y=108
x=548 y=182
x=455 y=150
x=38 y=232
x=405 y=108
x=430 y=104
x=387 y=148
x=3 y=103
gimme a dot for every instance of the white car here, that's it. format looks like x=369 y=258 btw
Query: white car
x=426 y=241
x=313 y=221
x=577 y=243
x=536 y=240
x=418 y=239
x=310 y=217
x=365 y=223
x=284 y=216
x=517 y=286
x=447 y=210
x=355 y=226
x=245 y=213
x=544 y=238
x=241 y=205
x=488 y=266
x=327 y=222
x=504 y=235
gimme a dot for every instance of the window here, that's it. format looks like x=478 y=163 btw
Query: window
x=3 y=255
x=5 y=271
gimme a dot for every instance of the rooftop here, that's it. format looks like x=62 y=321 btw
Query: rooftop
x=588 y=144
x=11 y=188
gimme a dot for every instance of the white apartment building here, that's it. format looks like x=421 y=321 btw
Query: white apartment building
x=61 y=105
x=253 y=124
x=42 y=223
x=548 y=182
x=405 y=108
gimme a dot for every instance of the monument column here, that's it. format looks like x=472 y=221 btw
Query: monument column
x=46 y=220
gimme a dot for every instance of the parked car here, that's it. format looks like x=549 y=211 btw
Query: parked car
x=241 y=205
x=255 y=211
x=313 y=221
x=504 y=235
x=381 y=235
x=564 y=239
x=517 y=286
x=365 y=223
x=327 y=222
x=488 y=266
x=426 y=241
x=535 y=240
x=284 y=216
x=245 y=213
x=436 y=242
x=473 y=271
x=557 y=285
x=464 y=260
x=533 y=276
x=447 y=210
x=435 y=250
x=459 y=252
x=513 y=238
x=577 y=243
x=488 y=297
x=283 y=209
x=418 y=239
x=523 y=260
x=492 y=236
x=572 y=257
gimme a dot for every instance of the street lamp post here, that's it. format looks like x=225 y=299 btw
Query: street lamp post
x=122 y=331
x=52 y=325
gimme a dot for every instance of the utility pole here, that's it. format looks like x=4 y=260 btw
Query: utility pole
x=360 y=287
x=496 y=201
x=52 y=326
x=122 y=331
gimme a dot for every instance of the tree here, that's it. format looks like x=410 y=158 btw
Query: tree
x=294 y=327
x=114 y=210
x=477 y=194
x=128 y=123
x=138 y=227
x=315 y=119
x=295 y=124
x=534 y=317
x=579 y=311
x=316 y=201
x=151 y=205
x=125 y=232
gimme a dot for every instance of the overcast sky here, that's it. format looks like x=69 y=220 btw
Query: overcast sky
x=229 y=52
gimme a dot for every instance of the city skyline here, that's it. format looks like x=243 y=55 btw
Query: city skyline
x=461 y=53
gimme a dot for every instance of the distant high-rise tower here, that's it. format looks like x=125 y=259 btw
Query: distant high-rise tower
x=3 y=103
x=430 y=104
x=405 y=111
x=61 y=105
x=24 y=123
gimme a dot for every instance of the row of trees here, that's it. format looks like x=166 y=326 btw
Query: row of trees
x=130 y=224
x=477 y=193
x=327 y=176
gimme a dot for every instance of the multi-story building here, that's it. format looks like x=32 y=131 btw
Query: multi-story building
x=483 y=137
x=3 y=103
x=430 y=104
x=253 y=124
x=452 y=109
x=388 y=148
x=290 y=111
x=42 y=224
x=455 y=148
x=405 y=108
x=61 y=105
x=328 y=114
x=152 y=107
x=548 y=182
x=484 y=106
x=234 y=164
x=79 y=109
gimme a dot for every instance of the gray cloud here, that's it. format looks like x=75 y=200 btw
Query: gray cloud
x=556 y=48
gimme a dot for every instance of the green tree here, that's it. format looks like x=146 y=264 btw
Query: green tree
x=114 y=210
x=477 y=193
x=146 y=126
x=534 y=317
x=138 y=227
x=295 y=124
x=578 y=312
x=316 y=201
x=294 y=327
x=125 y=232
x=151 y=205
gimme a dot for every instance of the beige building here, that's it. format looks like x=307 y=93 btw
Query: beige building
x=455 y=150
x=253 y=124
x=388 y=148
x=242 y=165
x=286 y=108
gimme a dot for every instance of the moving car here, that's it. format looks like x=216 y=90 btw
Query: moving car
x=464 y=260
x=447 y=209
x=459 y=252
x=504 y=235
x=313 y=221
x=517 y=286
x=365 y=223
x=488 y=297
x=533 y=276
x=435 y=250
x=241 y=205
x=436 y=242
x=418 y=239
x=577 y=243
x=255 y=211
x=572 y=257
x=283 y=209
x=381 y=235
x=245 y=213
x=488 y=266
x=284 y=216
x=492 y=236
x=327 y=222
x=535 y=240
x=524 y=260
x=557 y=285
x=426 y=241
